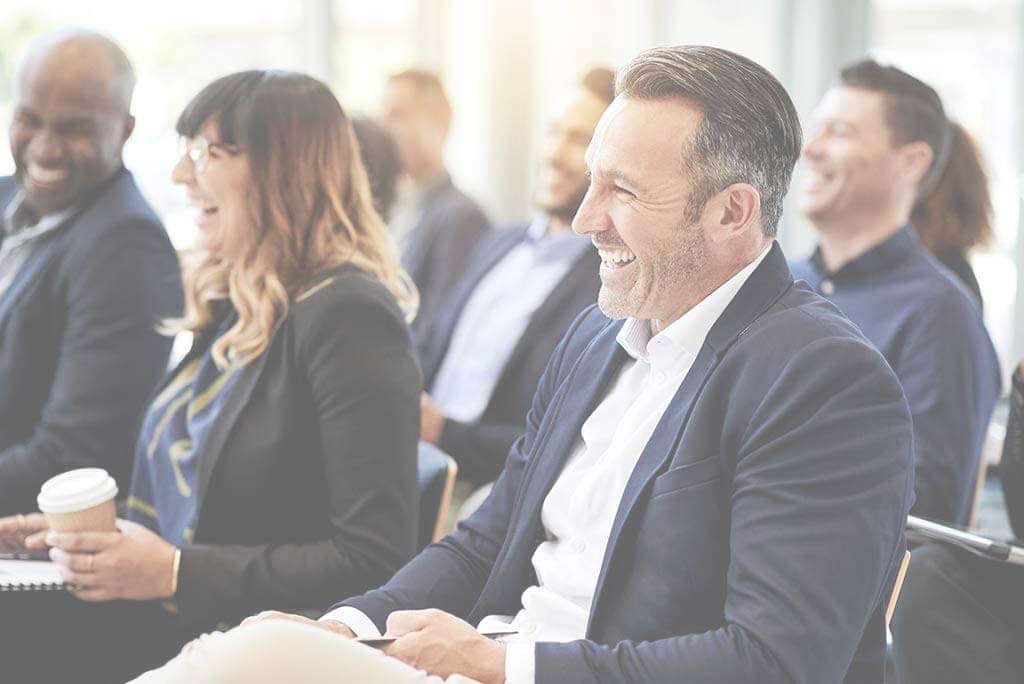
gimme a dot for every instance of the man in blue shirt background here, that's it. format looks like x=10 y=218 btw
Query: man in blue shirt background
x=879 y=140
x=524 y=286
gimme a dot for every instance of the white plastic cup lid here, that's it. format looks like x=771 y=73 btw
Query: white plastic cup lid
x=76 y=490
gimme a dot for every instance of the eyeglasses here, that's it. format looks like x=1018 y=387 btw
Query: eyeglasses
x=198 y=150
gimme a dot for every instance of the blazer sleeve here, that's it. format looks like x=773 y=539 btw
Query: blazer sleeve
x=110 y=359
x=822 y=484
x=358 y=362
x=450 y=574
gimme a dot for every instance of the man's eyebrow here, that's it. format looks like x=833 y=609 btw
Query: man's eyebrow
x=624 y=179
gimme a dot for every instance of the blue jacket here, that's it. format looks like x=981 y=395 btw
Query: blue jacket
x=760 y=532
x=79 y=347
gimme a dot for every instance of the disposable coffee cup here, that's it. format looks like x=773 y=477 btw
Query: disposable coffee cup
x=79 y=500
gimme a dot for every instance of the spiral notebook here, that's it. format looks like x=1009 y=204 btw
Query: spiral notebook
x=29 y=575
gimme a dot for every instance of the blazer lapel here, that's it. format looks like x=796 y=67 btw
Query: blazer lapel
x=213 y=447
x=763 y=288
x=577 y=396
x=658 y=451
x=27 y=276
x=238 y=399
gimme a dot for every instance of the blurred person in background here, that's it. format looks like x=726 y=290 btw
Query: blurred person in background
x=383 y=164
x=276 y=465
x=86 y=272
x=879 y=140
x=525 y=285
x=960 y=617
x=955 y=217
x=436 y=225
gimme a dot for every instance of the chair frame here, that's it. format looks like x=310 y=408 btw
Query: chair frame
x=446 y=499
x=897 y=587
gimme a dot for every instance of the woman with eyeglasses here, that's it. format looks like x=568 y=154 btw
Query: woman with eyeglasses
x=276 y=465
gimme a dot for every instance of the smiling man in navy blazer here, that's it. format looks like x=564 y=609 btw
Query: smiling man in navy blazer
x=86 y=272
x=717 y=466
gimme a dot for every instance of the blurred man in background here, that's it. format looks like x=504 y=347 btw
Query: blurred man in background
x=86 y=272
x=879 y=140
x=436 y=225
x=526 y=284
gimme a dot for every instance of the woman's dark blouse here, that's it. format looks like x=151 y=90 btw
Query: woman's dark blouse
x=305 y=486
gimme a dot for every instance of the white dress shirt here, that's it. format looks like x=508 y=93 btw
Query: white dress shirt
x=579 y=510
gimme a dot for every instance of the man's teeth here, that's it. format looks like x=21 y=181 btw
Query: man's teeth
x=616 y=257
x=42 y=175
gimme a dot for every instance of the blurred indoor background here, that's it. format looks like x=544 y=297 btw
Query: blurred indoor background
x=505 y=62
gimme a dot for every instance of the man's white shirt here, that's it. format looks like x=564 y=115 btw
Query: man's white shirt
x=579 y=510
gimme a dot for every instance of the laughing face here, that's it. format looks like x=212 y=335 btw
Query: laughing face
x=636 y=211
x=66 y=138
x=219 y=184
x=851 y=166
x=562 y=181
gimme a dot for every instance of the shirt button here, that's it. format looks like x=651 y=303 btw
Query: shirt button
x=579 y=546
x=827 y=287
x=659 y=376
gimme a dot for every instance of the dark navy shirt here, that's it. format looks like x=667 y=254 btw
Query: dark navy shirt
x=930 y=329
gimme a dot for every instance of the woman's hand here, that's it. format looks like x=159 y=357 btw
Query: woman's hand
x=134 y=563
x=15 y=529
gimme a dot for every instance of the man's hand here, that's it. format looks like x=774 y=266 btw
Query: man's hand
x=334 y=626
x=431 y=420
x=132 y=563
x=444 y=645
x=15 y=529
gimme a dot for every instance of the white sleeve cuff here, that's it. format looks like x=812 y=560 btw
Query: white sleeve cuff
x=356 y=620
x=520 y=662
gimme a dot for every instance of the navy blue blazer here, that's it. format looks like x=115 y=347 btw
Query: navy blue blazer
x=760 y=532
x=480 y=447
x=79 y=348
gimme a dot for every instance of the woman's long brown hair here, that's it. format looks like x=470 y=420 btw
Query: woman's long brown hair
x=957 y=213
x=310 y=207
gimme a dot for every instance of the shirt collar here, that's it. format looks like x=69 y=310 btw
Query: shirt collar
x=563 y=245
x=46 y=223
x=878 y=259
x=683 y=338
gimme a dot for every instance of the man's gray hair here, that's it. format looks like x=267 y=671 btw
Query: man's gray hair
x=750 y=131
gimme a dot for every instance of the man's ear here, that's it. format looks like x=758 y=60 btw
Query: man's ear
x=129 y=127
x=915 y=160
x=732 y=212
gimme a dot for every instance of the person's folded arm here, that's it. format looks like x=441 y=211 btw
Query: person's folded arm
x=365 y=385
x=450 y=574
x=110 y=358
x=823 y=481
